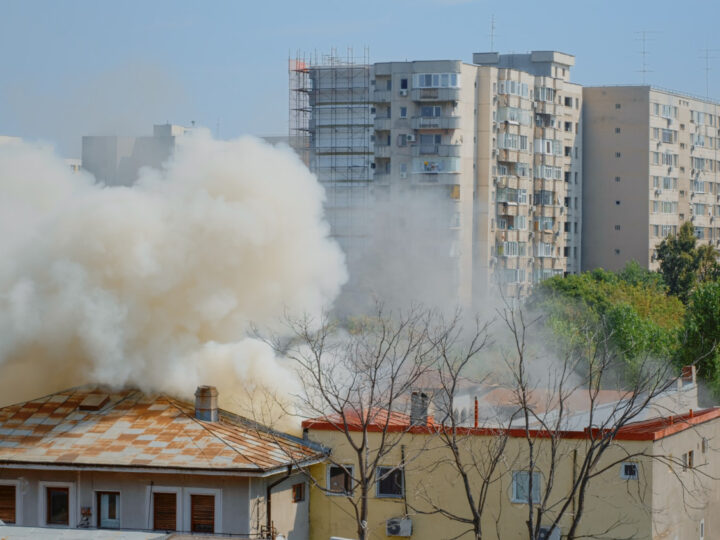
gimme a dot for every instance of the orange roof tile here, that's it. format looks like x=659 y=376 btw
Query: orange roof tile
x=135 y=429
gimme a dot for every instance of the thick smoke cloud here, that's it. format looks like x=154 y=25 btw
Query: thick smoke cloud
x=156 y=286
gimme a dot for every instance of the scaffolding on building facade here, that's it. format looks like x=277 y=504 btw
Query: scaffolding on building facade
x=331 y=128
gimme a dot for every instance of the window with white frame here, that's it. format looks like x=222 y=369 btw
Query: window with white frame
x=339 y=479
x=526 y=487
x=107 y=508
x=390 y=482
x=544 y=249
x=436 y=80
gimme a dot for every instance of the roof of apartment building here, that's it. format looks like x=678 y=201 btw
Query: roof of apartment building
x=645 y=430
x=92 y=426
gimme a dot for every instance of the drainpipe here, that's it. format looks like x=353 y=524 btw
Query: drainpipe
x=268 y=499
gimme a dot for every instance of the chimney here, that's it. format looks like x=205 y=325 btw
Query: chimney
x=419 y=408
x=688 y=375
x=206 y=403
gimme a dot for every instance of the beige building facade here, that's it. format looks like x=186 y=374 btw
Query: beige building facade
x=651 y=165
x=490 y=151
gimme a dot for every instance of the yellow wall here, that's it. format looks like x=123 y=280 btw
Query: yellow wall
x=630 y=508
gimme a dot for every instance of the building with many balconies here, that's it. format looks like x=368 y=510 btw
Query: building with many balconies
x=493 y=148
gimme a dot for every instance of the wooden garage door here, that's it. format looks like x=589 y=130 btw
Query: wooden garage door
x=202 y=513
x=164 y=511
x=7 y=504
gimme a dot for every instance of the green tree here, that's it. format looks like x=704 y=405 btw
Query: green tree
x=701 y=333
x=679 y=261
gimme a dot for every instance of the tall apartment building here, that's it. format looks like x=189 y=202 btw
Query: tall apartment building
x=651 y=164
x=491 y=148
x=116 y=160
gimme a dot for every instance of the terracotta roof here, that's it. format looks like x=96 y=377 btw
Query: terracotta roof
x=646 y=430
x=379 y=418
x=96 y=426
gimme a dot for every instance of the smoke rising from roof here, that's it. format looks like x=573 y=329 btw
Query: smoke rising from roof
x=156 y=285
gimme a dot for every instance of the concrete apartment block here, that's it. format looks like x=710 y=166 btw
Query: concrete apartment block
x=651 y=165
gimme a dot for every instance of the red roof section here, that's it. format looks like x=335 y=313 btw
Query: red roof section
x=646 y=430
x=93 y=425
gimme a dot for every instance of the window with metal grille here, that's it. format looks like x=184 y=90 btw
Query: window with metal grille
x=164 y=511
x=7 y=504
x=390 y=482
x=202 y=513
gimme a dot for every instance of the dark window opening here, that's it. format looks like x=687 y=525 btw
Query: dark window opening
x=298 y=493
x=58 y=506
x=202 y=513
x=7 y=504
x=339 y=480
x=164 y=511
x=390 y=482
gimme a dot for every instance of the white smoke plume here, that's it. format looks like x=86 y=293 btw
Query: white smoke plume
x=155 y=286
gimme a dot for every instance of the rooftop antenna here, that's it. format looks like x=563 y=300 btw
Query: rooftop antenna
x=642 y=35
x=492 y=33
x=707 y=57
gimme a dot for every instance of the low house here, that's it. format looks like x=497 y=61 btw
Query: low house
x=656 y=480
x=97 y=458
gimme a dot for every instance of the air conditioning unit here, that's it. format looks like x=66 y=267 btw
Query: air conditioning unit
x=403 y=92
x=398 y=527
x=411 y=138
x=403 y=175
x=658 y=192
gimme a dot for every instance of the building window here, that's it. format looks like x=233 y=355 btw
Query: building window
x=617 y=105
x=298 y=490
x=390 y=482
x=617 y=130
x=57 y=506
x=702 y=529
x=403 y=112
x=164 y=511
x=8 y=503
x=521 y=488
x=339 y=480
x=403 y=84
x=617 y=203
x=617 y=178
x=629 y=471
x=617 y=252
x=388 y=84
x=108 y=510
x=618 y=154
x=688 y=460
x=617 y=227
x=202 y=513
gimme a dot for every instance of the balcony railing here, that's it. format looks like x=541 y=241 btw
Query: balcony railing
x=382 y=124
x=380 y=96
x=435 y=122
x=443 y=150
x=435 y=94
x=383 y=151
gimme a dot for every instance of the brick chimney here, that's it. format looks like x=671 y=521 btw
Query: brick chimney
x=419 y=402
x=206 y=403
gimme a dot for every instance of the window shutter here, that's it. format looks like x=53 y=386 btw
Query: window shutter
x=202 y=513
x=7 y=504
x=164 y=511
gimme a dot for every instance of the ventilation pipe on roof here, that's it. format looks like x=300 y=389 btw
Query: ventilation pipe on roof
x=419 y=408
x=206 y=403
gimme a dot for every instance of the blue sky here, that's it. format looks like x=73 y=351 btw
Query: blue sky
x=75 y=67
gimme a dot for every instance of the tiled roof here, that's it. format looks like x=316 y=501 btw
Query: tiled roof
x=128 y=428
x=378 y=419
x=658 y=428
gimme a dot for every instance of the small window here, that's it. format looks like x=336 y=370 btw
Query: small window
x=202 y=513
x=702 y=529
x=403 y=112
x=617 y=178
x=617 y=227
x=704 y=445
x=390 y=482
x=298 y=491
x=628 y=471
x=388 y=84
x=617 y=105
x=617 y=130
x=521 y=487
x=108 y=512
x=403 y=84
x=618 y=154
x=340 y=479
x=58 y=506
x=7 y=504
x=617 y=203
x=617 y=252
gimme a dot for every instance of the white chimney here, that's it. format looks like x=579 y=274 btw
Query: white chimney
x=206 y=403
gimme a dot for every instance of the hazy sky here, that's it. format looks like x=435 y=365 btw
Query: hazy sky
x=69 y=68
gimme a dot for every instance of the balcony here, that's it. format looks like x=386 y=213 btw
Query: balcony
x=382 y=96
x=545 y=107
x=443 y=150
x=435 y=122
x=436 y=178
x=383 y=151
x=383 y=124
x=435 y=94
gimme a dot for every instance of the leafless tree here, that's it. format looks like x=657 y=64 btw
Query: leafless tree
x=356 y=378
